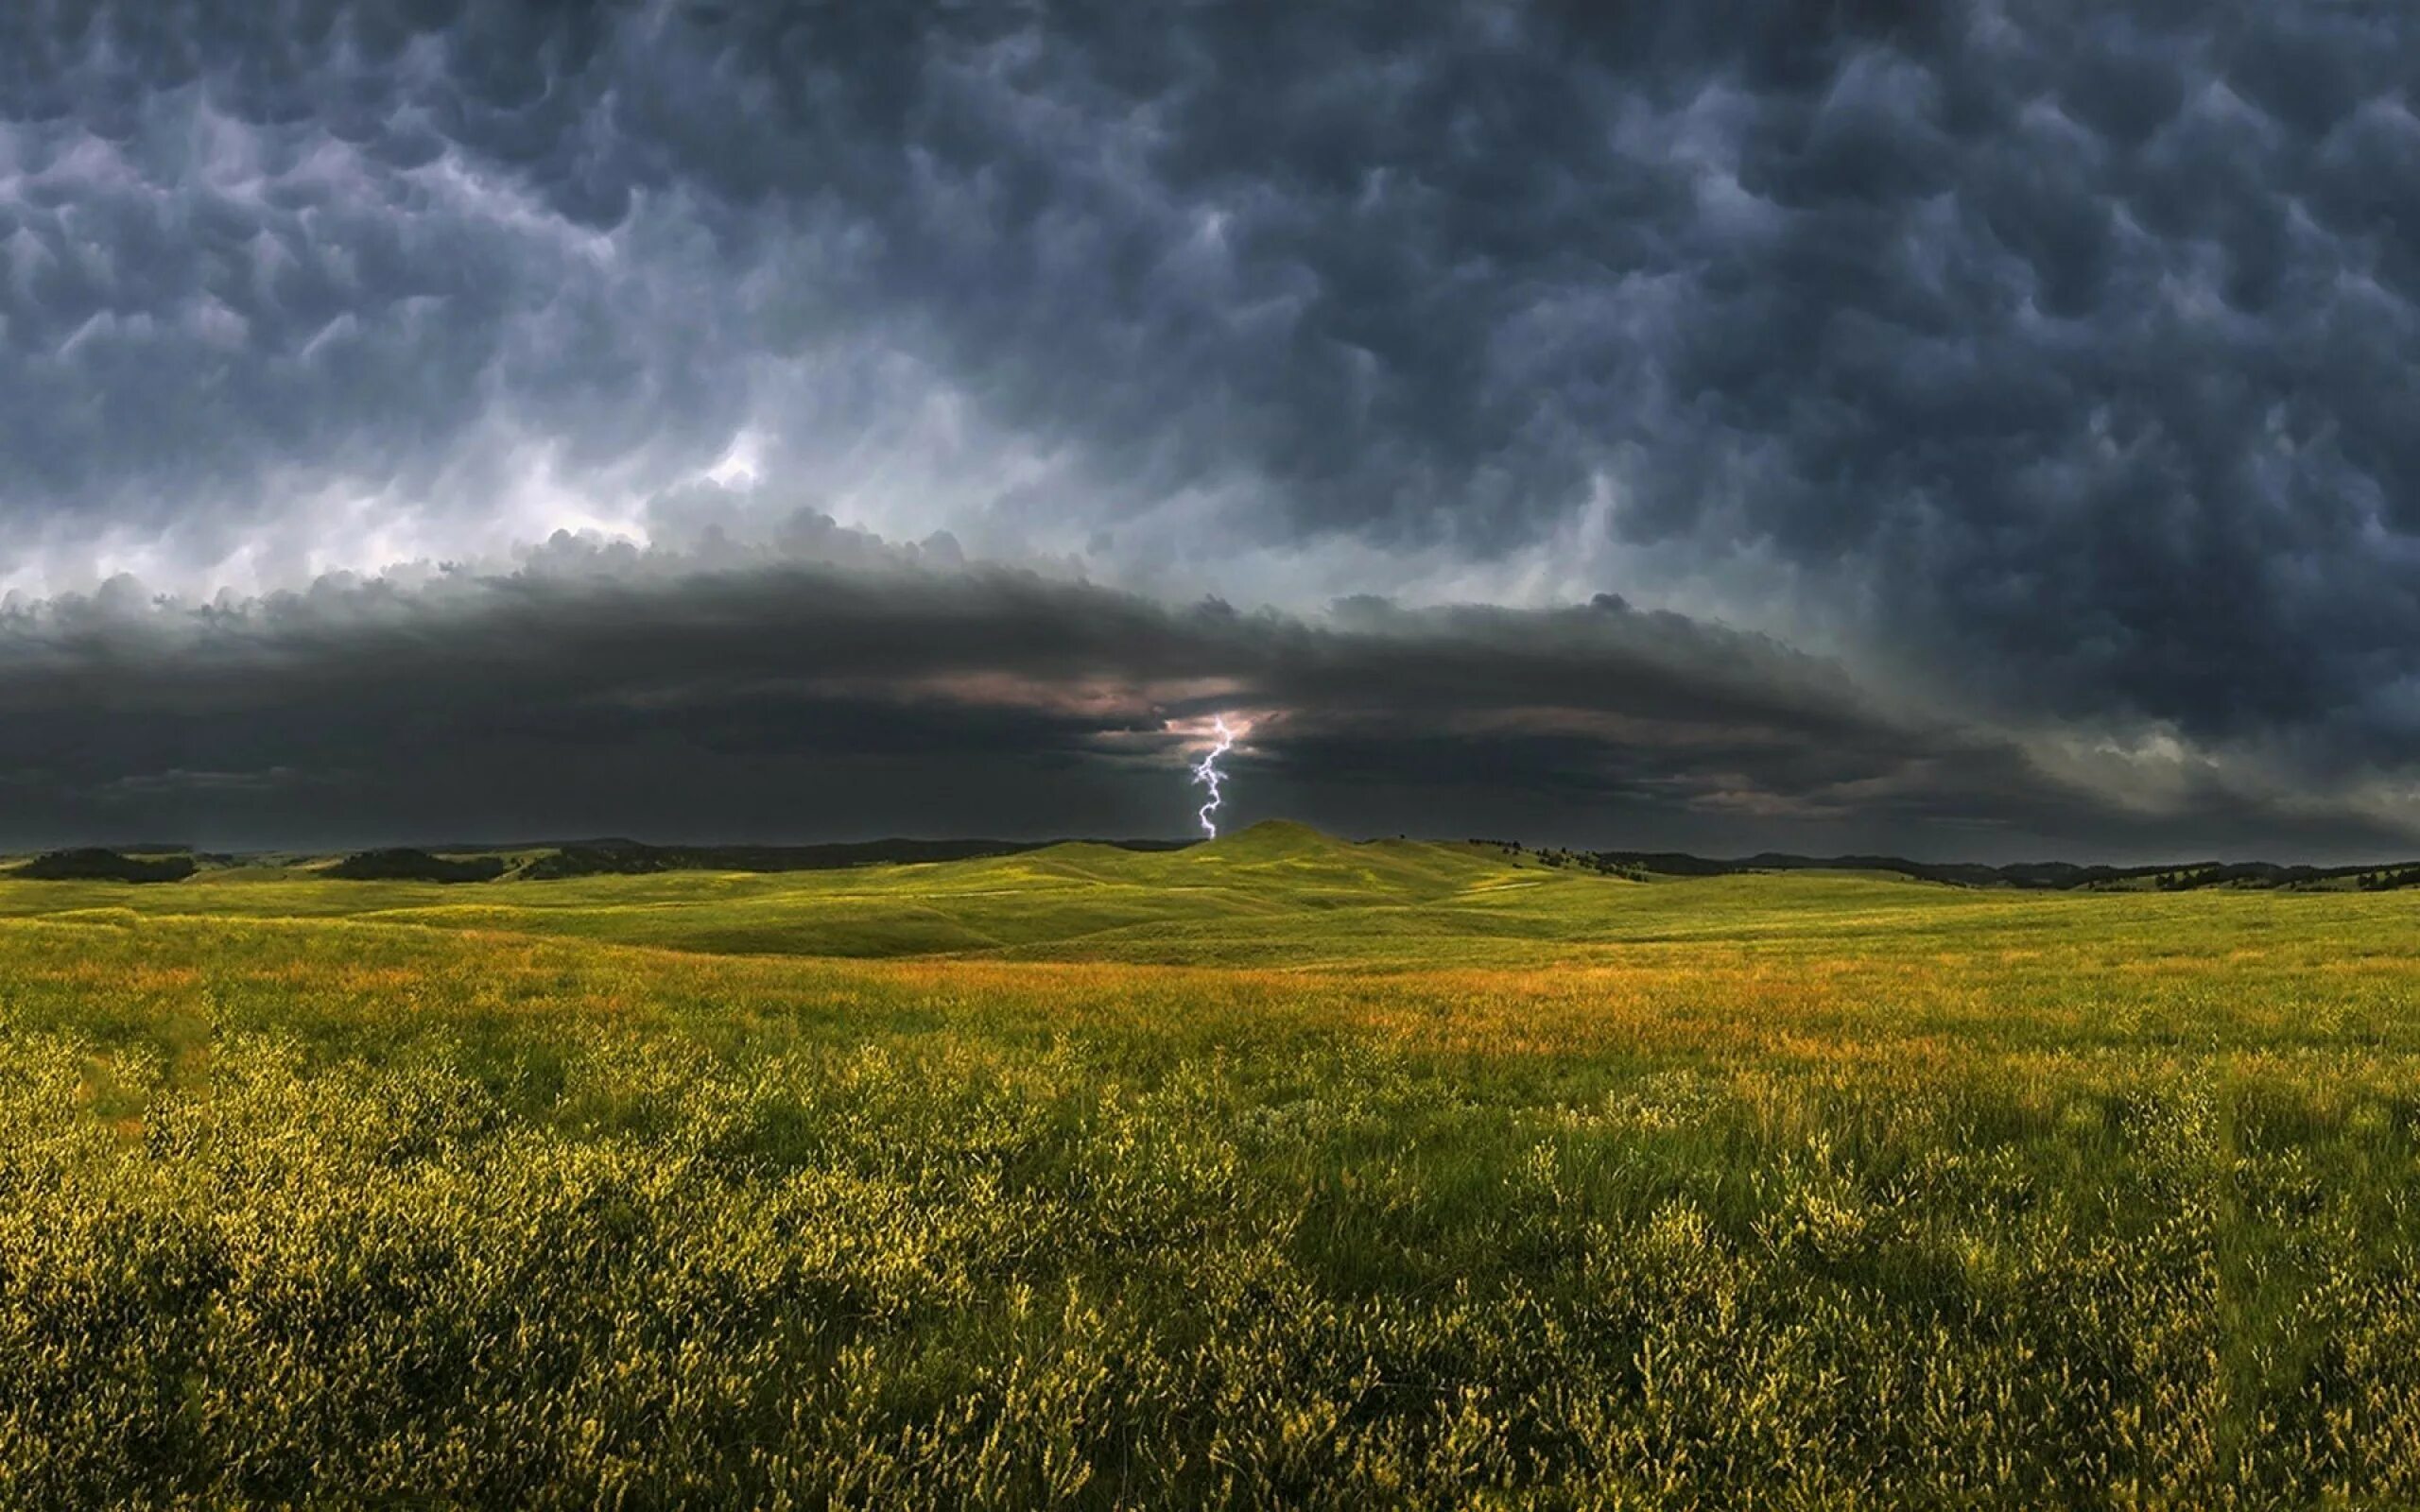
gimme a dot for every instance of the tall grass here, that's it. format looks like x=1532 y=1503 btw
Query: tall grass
x=2076 y=1208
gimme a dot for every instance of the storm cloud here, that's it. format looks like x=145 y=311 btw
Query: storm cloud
x=886 y=691
x=1976 y=425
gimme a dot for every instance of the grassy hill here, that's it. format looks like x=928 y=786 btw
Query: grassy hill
x=1277 y=894
x=1279 y=1171
x=1276 y=887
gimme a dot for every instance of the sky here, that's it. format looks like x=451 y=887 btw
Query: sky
x=1982 y=431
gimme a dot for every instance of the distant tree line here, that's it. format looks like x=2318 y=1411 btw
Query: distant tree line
x=93 y=864
x=404 y=864
x=1601 y=862
x=2056 y=876
x=2051 y=876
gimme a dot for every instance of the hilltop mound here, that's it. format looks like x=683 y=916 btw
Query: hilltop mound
x=1273 y=840
x=1279 y=857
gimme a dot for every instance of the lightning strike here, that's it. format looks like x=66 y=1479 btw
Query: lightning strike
x=1205 y=771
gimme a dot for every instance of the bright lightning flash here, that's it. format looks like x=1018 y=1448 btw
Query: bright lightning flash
x=1205 y=771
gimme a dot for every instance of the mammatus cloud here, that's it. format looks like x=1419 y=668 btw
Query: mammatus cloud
x=2047 y=369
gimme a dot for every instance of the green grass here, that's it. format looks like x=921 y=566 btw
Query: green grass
x=1275 y=1172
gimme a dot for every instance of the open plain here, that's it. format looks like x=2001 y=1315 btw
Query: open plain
x=1279 y=1171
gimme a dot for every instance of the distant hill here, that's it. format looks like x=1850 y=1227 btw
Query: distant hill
x=1307 y=856
x=627 y=857
x=1275 y=894
x=614 y=857
x=542 y=861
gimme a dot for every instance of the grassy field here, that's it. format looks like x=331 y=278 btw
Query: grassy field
x=1278 y=1172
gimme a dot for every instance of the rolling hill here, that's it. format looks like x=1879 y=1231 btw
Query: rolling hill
x=1276 y=894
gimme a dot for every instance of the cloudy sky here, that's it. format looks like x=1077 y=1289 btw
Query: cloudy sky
x=1983 y=430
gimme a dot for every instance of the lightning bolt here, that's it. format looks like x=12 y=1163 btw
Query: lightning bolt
x=1205 y=771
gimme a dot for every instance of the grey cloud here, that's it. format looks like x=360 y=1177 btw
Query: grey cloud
x=256 y=256
x=605 y=690
x=2072 y=344
x=2062 y=354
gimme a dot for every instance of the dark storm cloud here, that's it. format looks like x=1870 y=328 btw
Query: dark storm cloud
x=2079 y=342
x=2061 y=357
x=608 y=689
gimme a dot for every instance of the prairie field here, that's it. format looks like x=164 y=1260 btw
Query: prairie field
x=1278 y=1172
